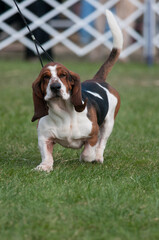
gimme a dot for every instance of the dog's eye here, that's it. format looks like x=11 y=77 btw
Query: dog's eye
x=46 y=77
x=62 y=75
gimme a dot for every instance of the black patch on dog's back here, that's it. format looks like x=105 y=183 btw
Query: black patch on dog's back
x=100 y=101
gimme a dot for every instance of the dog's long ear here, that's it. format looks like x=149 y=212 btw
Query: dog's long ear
x=40 y=105
x=76 y=94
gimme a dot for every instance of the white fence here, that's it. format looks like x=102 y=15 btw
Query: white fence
x=73 y=24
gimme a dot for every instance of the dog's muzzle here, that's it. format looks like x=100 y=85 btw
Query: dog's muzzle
x=55 y=88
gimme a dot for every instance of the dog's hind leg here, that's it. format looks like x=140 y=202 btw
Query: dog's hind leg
x=105 y=132
x=95 y=153
x=89 y=153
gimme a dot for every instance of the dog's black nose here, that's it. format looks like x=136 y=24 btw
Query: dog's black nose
x=55 y=86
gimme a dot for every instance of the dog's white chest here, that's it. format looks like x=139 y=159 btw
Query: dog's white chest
x=68 y=128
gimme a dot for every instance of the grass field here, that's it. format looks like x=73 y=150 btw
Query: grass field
x=118 y=200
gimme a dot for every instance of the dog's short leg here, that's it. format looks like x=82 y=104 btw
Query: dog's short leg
x=105 y=132
x=89 y=153
x=46 y=148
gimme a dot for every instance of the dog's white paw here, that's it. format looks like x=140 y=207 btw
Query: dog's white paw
x=86 y=158
x=99 y=157
x=99 y=160
x=44 y=167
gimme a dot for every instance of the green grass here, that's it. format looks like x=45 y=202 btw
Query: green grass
x=118 y=200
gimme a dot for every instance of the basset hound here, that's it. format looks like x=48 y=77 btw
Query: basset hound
x=76 y=114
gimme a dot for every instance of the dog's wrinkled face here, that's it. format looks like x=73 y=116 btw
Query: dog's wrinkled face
x=58 y=81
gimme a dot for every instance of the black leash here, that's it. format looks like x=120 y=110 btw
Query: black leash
x=33 y=37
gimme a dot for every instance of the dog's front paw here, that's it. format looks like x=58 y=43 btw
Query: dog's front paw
x=44 y=167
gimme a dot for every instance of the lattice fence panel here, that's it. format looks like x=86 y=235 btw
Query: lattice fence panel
x=68 y=31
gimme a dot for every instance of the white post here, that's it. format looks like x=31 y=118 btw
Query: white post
x=149 y=30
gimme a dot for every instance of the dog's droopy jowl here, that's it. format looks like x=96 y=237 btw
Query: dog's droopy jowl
x=76 y=114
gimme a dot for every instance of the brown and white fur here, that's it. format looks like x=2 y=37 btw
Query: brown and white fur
x=68 y=119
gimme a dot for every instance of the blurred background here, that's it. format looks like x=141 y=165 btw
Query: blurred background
x=78 y=28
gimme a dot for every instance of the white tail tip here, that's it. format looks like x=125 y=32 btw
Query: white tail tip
x=115 y=29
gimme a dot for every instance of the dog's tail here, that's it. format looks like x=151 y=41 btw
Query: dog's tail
x=101 y=75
